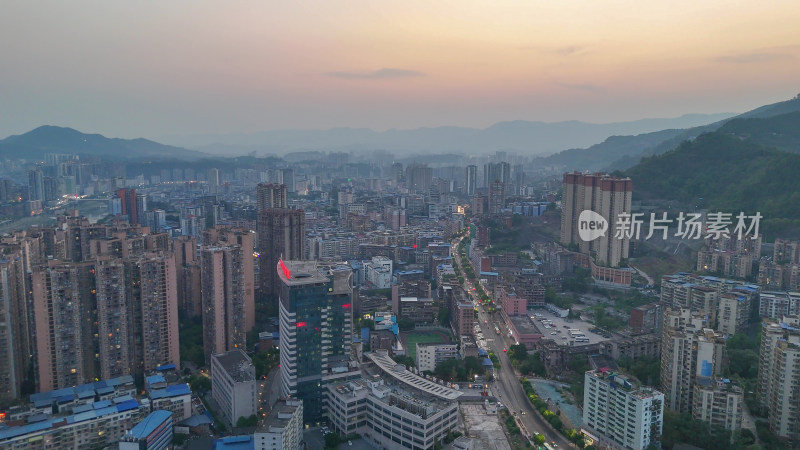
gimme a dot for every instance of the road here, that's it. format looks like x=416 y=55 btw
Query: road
x=507 y=385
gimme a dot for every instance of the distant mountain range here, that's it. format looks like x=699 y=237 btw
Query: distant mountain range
x=524 y=137
x=621 y=145
x=621 y=152
x=51 y=139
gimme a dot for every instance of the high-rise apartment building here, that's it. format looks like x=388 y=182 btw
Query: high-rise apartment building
x=64 y=318
x=129 y=204
x=152 y=290
x=223 y=298
x=316 y=331
x=112 y=319
x=212 y=179
x=688 y=350
x=288 y=179
x=35 y=185
x=15 y=351
x=271 y=195
x=419 y=177
x=472 y=180
x=281 y=233
x=779 y=376
x=497 y=196
x=619 y=412
x=605 y=195
x=719 y=402
x=496 y=172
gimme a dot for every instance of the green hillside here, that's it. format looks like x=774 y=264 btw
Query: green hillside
x=781 y=132
x=731 y=174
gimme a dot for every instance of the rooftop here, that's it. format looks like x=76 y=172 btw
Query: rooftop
x=279 y=416
x=300 y=273
x=175 y=390
x=237 y=364
x=400 y=373
x=149 y=424
x=524 y=325
x=81 y=391
x=244 y=442
x=102 y=410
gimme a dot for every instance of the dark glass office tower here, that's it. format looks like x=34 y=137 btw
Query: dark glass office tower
x=316 y=332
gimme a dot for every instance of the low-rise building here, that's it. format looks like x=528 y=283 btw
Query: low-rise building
x=94 y=425
x=233 y=385
x=430 y=355
x=176 y=398
x=633 y=347
x=154 y=432
x=522 y=330
x=396 y=410
x=422 y=311
x=282 y=429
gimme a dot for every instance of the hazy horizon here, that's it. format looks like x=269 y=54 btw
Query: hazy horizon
x=154 y=70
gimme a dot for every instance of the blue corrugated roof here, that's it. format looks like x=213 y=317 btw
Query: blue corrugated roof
x=167 y=367
x=127 y=405
x=234 y=443
x=149 y=424
x=12 y=432
x=171 y=391
x=153 y=379
x=121 y=399
x=487 y=362
x=82 y=408
x=105 y=390
x=101 y=404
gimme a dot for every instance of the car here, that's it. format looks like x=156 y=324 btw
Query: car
x=350 y=443
x=505 y=350
x=553 y=332
x=523 y=413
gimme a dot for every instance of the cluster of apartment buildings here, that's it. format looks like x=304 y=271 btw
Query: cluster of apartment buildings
x=86 y=301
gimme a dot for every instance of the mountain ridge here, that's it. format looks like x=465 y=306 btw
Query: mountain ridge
x=529 y=137
x=54 y=139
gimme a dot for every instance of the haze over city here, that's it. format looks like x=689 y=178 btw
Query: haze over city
x=165 y=69
x=367 y=225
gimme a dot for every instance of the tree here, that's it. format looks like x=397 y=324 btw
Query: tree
x=539 y=439
x=517 y=352
x=199 y=384
x=405 y=324
x=245 y=422
x=444 y=317
x=332 y=440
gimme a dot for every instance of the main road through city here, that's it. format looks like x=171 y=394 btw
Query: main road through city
x=507 y=386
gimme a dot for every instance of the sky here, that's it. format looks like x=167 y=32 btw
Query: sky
x=168 y=68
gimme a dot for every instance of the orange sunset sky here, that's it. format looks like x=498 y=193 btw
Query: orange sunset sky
x=153 y=69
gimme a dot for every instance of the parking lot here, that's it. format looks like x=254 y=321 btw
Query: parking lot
x=559 y=330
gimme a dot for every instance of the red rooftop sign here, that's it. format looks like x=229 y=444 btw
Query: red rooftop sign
x=286 y=271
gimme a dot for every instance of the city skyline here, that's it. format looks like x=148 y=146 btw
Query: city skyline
x=181 y=69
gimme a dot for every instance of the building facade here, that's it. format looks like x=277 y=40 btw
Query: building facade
x=620 y=413
x=605 y=195
x=315 y=317
x=233 y=385
x=282 y=429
